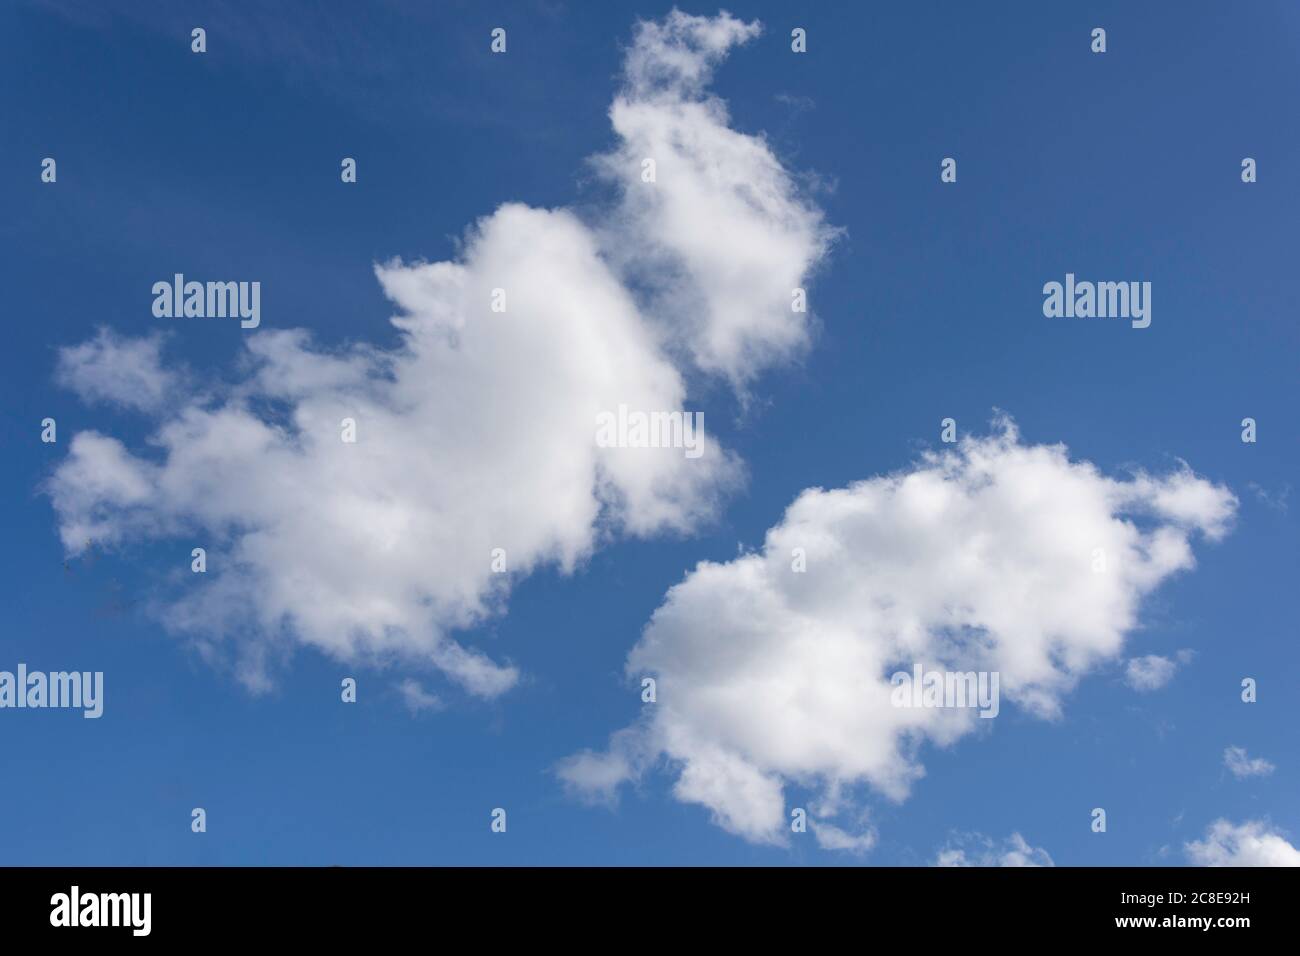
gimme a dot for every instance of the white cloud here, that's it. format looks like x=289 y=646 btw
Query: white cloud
x=677 y=56
x=1150 y=672
x=416 y=698
x=1253 y=843
x=1241 y=765
x=979 y=558
x=477 y=431
x=1277 y=500
x=831 y=837
x=722 y=237
x=99 y=489
x=117 y=371
x=975 y=849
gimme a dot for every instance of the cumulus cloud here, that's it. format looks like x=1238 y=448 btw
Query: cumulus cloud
x=979 y=558
x=1149 y=672
x=1241 y=765
x=113 y=370
x=477 y=431
x=975 y=849
x=1253 y=843
x=722 y=238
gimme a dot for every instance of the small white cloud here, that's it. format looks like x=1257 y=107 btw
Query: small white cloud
x=110 y=369
x=1253 y=843
x=416 y=698
x=975 y=849
x=1150 y=672
x=1236 y=760
x=831 y=837
x=595 y=777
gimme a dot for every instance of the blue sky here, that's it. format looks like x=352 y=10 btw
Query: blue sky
x=1124 y=165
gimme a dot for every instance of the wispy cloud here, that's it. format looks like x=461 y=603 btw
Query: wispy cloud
x=1241 y=765
x=416 y=698
x=975 y=849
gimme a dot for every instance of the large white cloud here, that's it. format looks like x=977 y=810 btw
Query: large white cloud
x=1252 y=843
x=996 y=556
x=478 y=431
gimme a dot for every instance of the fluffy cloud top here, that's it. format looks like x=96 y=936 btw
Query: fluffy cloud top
x=722 y=238
x=478 y=431
x=1253 y=843
x=996 y=556
x=978 y=850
